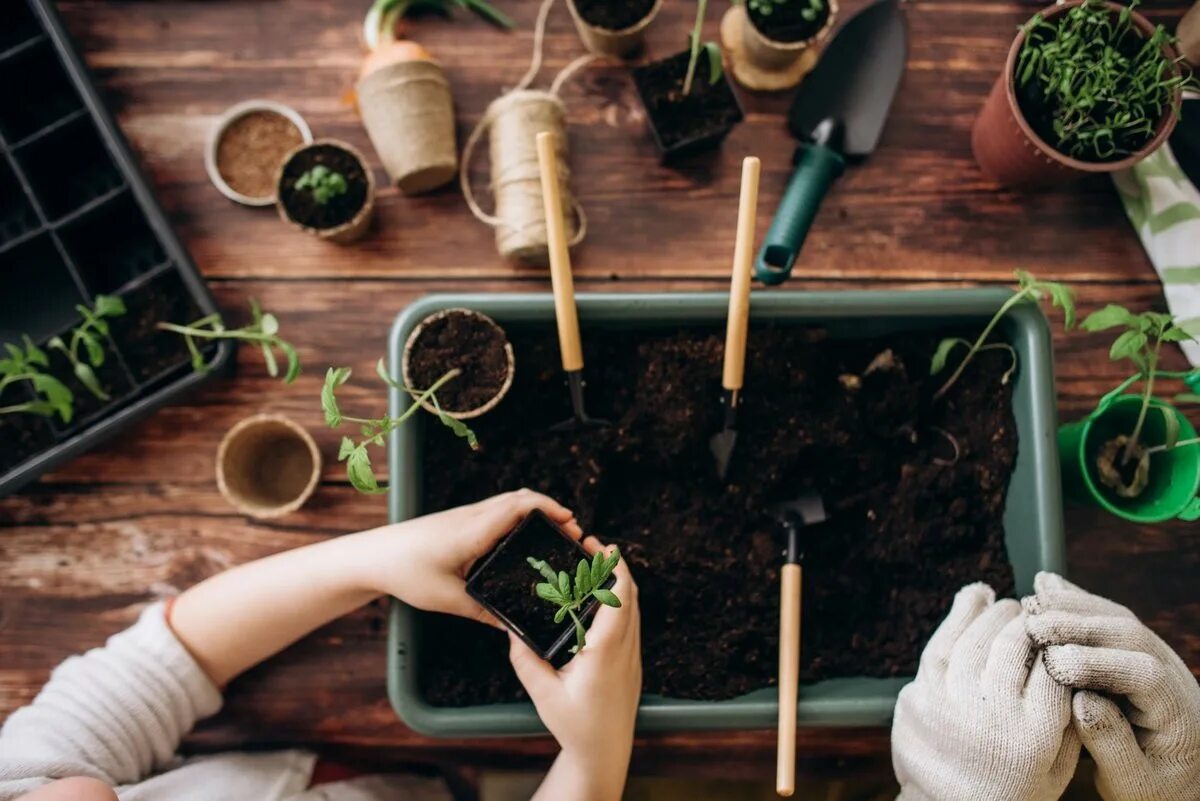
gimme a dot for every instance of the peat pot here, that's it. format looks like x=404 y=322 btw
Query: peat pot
x=1032 y=518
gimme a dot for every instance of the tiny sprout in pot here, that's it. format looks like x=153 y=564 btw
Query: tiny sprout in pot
x=470 y=342
x=773 y=44
x=326 y=189
x=544 y=586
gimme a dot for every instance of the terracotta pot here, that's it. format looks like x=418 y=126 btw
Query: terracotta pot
x=617 y=44
x=267 y=466
x=1010 y=153
x=508 y=352
x=354 y=228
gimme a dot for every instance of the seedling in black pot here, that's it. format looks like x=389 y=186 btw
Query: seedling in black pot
x=524 y=583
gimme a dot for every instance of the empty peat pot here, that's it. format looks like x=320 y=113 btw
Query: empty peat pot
x=326 y=189
x=615 y=29
x=247 y=146
x=463 y=340
x=267 y=466
x=503 y=582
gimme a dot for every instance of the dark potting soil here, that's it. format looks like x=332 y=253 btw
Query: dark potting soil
x=710 y=110
x=21 y=435
x=300 y=203
x=469 y=343
x=905 y=531
x=507 y=582
x=613 y=15
x=786 y=22
x=149 y=352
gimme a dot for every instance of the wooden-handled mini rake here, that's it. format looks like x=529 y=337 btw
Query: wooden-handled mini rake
x=738 y=321
x=565 y=313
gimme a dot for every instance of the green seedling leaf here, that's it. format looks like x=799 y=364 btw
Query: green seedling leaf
x=564 y=583
x=944 y=349
x=109 y=306
x=334 y=378
x=583 y=579
x=56 y=394
x=1174 y=334
x=715 y=66
x=549 y=573
x=607 y=597
x=87 y=377
x=95 y=350
x=597 y=569
x=269 y=325
x=460 y=429
x=1127 y=345
x=347 y=448
x=269 y=360
x=560 y=615
x=549 y=592
x=1110 y=316
x=569 y=597
x=358 y=469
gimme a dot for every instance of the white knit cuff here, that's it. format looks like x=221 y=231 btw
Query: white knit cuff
x=152 y=637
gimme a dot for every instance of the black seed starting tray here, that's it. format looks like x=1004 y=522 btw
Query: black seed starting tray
x=77 y=220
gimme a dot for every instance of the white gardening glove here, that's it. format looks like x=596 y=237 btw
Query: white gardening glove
x=1144 y=731
x=983 y=720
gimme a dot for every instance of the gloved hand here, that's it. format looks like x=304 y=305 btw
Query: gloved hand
x=983 y=720
x=1144 y=731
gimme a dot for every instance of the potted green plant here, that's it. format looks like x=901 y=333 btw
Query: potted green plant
x=1136 y=455
x=1089 y=86
x=775 y=43
x=688 y=100
x=326 y=189
x=543 y=605
x=613 y=28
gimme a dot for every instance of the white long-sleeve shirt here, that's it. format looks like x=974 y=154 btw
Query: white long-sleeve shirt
x=118 y=713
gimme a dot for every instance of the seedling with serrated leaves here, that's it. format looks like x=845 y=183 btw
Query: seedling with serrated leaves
x=25 y=365
x=90 y=338
x=1140 y=342
x=263 y=331
x=569 y=596
x=1029 y=290
x=375 y=430
x=698 y=46
x=323 y=183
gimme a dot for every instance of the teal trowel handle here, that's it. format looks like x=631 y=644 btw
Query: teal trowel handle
x=817 y=167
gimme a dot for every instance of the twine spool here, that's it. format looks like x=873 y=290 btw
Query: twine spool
x=409 y=116
x=515 y=119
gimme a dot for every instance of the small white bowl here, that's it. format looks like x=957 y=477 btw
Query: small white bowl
x=233 y=113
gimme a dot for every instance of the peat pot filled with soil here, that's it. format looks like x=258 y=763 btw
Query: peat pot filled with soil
x=613 y=27
x=326 y=189
x=1124 y=86
x=469 y=344
x=923 y=495
x=685 y=122
x=775 y=43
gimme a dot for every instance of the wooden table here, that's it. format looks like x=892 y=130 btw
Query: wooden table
x=141 y=518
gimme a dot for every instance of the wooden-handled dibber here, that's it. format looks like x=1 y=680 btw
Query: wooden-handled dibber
x=567 y=316
x=738 y=321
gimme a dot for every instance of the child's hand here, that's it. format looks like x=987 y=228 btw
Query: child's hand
x=424 y=562
x=590 y=705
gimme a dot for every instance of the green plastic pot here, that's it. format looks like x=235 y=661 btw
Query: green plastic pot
x=1032 y=518
x=1174 y=475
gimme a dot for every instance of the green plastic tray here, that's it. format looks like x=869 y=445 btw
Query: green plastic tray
x=1032 y=518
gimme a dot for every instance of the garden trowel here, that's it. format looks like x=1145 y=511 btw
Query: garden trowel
x=738 y=320
x=837 y=114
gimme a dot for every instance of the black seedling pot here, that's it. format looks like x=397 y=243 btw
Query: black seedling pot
x=683 y=124
x=503 y=583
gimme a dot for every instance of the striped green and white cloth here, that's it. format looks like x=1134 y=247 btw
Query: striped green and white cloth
x=1164 y=207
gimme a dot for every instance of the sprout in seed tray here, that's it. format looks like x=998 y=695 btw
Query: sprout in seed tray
x=263 y=330
x=558 y=589
x=324 y=183
x=1140 y=342
x=375 y=430
x=90 y=336
x=25 y=366
x=1029 y=290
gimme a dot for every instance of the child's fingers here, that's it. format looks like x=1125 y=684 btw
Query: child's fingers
x=536 y=675
x=611 y=625
x=505 y=511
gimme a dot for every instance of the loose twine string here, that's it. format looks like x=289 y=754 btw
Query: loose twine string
x=515 y=182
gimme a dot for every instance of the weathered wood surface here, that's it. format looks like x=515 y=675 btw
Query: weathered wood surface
x=141 y=517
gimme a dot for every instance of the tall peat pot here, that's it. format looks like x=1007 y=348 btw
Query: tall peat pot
x=620 y=42
x=1011 y=153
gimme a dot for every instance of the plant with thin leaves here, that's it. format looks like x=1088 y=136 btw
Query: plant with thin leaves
x=812 y=8
x=382 y=17
x=323 y=183
x=697 y=46
x=26 y=365
x=263 y=330
x=569 y=596
x=89 y=337
x=1029 y=290
x=376 y=430
x=1104 y=85
x=1140 y=343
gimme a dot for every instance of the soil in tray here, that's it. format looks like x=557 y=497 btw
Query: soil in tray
x=472 y=345
x=300 y=204
x=613 y=15
x=786 y=22
x=22 y=436
x=709 y=110
x=151 y=353
x=905 y=532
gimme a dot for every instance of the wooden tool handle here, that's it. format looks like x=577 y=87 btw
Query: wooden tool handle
x=789 y=677
x=560 y=258
x=739 y=288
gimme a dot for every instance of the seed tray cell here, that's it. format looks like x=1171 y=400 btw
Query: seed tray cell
x=35 y=91
x=78 y=219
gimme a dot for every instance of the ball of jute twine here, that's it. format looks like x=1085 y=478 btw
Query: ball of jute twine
x=515 y=119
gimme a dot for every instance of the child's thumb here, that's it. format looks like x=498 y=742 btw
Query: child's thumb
x=538 y=676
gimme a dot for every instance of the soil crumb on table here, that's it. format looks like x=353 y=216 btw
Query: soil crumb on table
x=852 y=418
